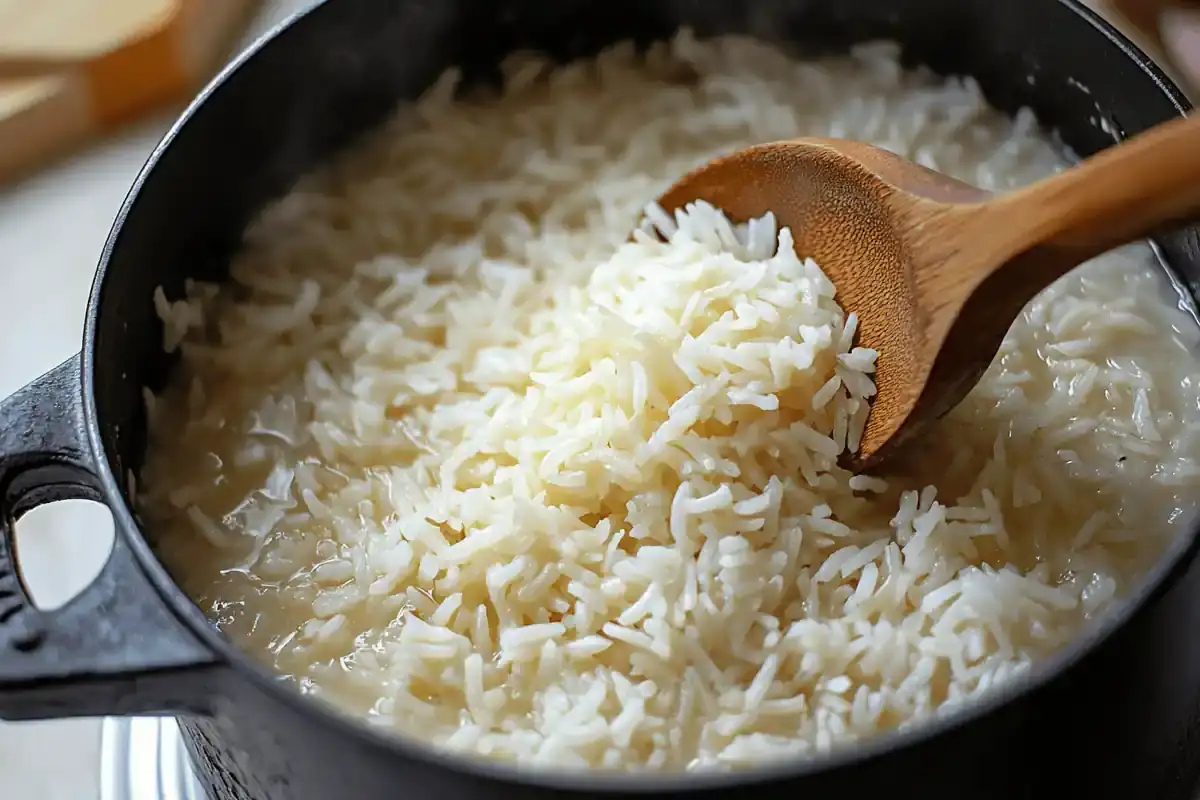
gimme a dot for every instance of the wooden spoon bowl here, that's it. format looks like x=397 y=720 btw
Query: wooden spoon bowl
x=938 y=270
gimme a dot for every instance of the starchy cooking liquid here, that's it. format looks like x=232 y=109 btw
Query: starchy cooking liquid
x=452 y=454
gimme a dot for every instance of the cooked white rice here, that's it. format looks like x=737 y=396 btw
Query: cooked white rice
x=453 y=455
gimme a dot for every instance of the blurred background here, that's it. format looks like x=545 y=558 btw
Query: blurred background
x=87 y=87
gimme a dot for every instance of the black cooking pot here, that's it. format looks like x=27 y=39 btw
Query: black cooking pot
x=1113 y=717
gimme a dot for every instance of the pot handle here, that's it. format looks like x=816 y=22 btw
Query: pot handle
x=114 y=649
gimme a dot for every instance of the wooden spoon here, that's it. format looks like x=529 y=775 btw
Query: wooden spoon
x=937 y=270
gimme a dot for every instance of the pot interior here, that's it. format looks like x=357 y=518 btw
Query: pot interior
x=340 y=70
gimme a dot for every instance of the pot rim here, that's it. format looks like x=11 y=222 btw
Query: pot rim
x=1160 y=577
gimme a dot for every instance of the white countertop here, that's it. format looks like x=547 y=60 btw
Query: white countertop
x=52 y=228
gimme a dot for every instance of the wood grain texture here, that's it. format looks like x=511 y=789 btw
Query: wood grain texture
x=74 y=69
x=69 y=30
x=937 y=270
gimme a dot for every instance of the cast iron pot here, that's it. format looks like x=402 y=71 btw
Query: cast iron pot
x=1115 y=716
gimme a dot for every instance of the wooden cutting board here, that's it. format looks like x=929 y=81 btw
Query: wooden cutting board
x=70 y=70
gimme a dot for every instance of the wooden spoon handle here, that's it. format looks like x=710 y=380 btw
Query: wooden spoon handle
x=1144 y=186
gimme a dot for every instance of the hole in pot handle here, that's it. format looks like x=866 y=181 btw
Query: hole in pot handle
x=116 y=648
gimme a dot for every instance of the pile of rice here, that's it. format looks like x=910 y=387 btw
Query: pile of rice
x=455 y=455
